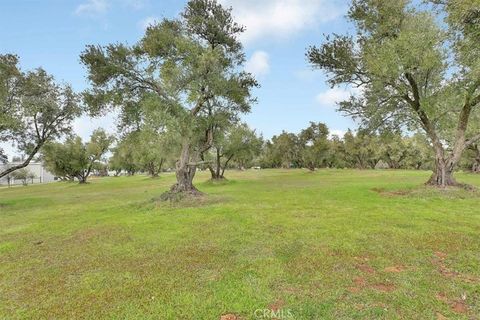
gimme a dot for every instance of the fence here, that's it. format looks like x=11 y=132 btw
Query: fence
x=15 y=182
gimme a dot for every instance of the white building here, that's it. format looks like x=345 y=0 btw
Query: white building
x=40 y=173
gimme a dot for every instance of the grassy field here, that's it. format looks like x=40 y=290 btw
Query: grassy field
x=329 y=245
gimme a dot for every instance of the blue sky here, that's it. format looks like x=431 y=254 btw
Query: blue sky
x=52 y=33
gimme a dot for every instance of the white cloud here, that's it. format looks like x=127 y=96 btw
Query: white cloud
x=281 y=19
x=336 y=132
x=333 y=96
x=92 y=7
x=258 y=64
x=148 y=21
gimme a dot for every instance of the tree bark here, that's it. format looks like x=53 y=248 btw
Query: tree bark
x=443 y=173
x=225 y=166
x=218 y=158
x=476 y=163
x=185 y=172
x=444 y=165
x=25 y=163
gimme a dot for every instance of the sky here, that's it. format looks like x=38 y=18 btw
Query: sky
x=52 y=33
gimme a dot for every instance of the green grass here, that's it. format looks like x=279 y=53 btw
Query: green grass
x=335 y=244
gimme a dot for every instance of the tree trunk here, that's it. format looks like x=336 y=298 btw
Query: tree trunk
x=185 y=172
x=212 y=170
x=218 y=158
x=225 y=165
x=476 y=163
x=217 y=172
x=25 y=163
x=443 y=174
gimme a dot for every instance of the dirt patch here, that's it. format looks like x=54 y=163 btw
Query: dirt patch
x=395 y=269
x=354 y=289
x=229 y=316
x=440 y=255
x=441 y=297
x=459 y=306
x=365 y=268
x=392 y=193
x=277 y=305
x=360 y=281
x=384 y=287
x=360 y=284
x=190 y=202
x=439 y=261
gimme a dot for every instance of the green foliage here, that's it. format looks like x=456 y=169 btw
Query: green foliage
x=471 y=159
x=22 y=175
x=286 y=150
x=314 y=145
x=190 y=67
x=33 y=108
x=75 y=160
x=414 y=70
x=123 y=157
x=238 y=146
x=313 y=148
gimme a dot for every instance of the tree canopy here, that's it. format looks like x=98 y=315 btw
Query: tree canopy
x=190 y=67
x=74 y=159
x=414 y=70
x=34 y=109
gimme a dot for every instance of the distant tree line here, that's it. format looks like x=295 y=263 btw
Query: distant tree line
x=240 y=147
x=315 y=148
x=180 y=92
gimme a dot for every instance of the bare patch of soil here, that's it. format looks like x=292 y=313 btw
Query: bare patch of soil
x=277 y=305
x=360 y=281
x=393 y=193
x=384 y=287
x=442 y=297
x=395 y=269
x=360 y=284
x=229 y=316
x=354 y=289
x=176 y=196
x=439 y=262
x=440 y=255
x=190 y=201
x=365 y=268
x=459 y=306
